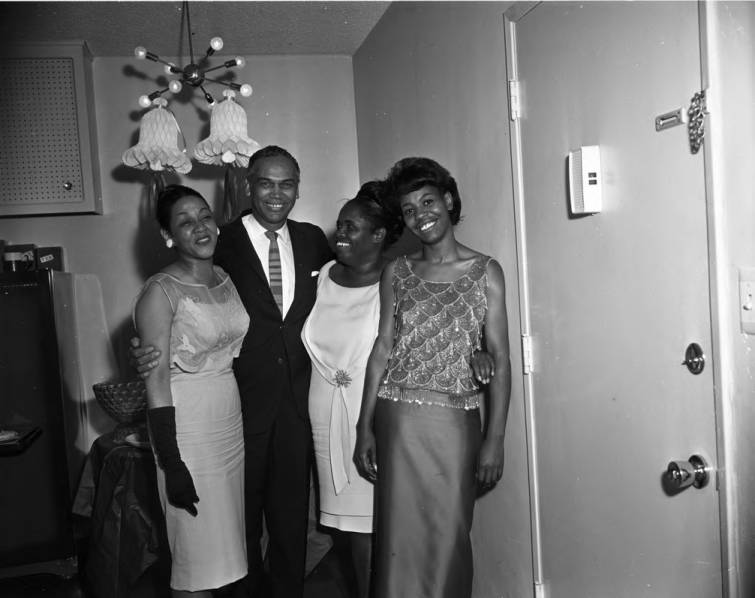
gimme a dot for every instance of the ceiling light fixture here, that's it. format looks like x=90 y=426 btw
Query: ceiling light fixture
x=228 y=144
x=192 y=74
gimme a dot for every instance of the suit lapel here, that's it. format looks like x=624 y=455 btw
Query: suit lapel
x=244 y=250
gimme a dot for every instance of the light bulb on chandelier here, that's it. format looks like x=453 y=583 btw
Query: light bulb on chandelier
x=192 y=74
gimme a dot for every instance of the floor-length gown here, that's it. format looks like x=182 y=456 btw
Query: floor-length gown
x=209 y=324
x=428 y=436
x=339 y=335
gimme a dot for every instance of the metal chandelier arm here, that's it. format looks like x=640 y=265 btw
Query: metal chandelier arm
x=143 y=54
x=227 y=64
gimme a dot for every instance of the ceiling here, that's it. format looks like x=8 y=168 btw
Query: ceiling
x=248 y=28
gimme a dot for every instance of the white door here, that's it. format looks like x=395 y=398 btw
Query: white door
x=612 y=300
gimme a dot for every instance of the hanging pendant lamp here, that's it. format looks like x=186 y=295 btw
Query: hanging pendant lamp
x=157 y=148
x=228 y=142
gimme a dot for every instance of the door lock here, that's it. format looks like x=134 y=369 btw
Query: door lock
x=682 y=474
x=694 y=358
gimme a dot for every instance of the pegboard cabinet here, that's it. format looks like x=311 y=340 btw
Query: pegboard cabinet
x=48 y=137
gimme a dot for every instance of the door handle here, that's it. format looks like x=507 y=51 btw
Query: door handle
x=694 y=358
x=682 y=474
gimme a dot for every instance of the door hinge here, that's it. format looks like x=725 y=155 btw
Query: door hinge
x=527 y=359
x=696 y=120
x=515 y=109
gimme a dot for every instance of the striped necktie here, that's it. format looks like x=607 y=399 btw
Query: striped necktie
x=274 y=264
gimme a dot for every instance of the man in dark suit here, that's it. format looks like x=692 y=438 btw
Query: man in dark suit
x=277 y=281
x=273 y=368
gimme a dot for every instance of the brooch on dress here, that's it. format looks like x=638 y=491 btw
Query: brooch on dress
x=342 y=378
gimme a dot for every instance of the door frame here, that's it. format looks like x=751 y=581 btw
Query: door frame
x=721 y=360
x=511 y=16
x=719 y=355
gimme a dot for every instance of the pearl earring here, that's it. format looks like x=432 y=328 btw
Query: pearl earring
x=218 y=231
x=169 y=243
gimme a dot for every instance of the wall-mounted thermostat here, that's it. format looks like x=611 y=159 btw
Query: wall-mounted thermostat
x=585 y=180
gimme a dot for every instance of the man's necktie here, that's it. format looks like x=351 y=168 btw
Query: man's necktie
x=274 y=263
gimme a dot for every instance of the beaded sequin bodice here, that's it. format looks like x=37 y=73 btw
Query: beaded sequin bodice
x=439 y=325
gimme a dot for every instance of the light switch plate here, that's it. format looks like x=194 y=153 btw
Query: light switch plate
x=747 y=300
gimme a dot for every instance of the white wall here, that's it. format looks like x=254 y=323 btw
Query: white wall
x=431 y=80
x=303 y=103
x=731 y=140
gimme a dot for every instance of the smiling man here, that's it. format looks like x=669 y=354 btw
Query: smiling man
x=273 y=261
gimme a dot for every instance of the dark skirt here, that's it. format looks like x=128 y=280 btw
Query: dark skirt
x=425 y=493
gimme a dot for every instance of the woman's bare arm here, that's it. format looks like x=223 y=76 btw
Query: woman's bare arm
x=153 y=317
x=490 y=463
x=364 y=453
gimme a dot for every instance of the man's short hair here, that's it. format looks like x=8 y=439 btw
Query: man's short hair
x=272 y=151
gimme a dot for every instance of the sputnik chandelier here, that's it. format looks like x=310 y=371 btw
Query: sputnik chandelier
x=228 y=144
x=192 y=74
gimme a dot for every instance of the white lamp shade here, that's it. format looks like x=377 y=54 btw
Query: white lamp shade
x=157 y=148
x=228 y=142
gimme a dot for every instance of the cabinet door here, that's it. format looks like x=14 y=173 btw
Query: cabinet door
x=48 y=156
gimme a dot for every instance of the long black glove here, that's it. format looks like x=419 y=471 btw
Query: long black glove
x=178 y=483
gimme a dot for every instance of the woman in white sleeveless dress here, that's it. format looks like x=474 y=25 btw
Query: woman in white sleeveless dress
x=192 y=312
x=338 y=335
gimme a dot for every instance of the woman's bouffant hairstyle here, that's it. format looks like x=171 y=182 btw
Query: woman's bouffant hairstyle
x=410 y=174
x=168 y=198
x=379 y=210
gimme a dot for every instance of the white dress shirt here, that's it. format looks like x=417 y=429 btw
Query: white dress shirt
x=261 y=245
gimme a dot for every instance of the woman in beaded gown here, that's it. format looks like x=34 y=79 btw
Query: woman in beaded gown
x=192 y=312
x=338 y=335
x=419 y=434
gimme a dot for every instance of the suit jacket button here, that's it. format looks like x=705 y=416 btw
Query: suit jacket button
x=280 y=360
